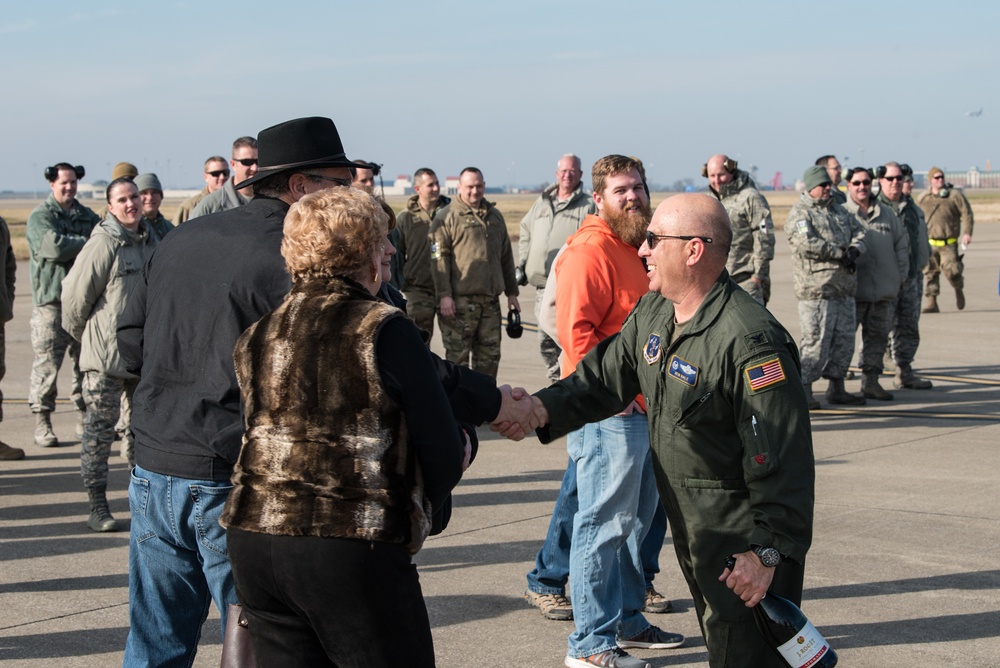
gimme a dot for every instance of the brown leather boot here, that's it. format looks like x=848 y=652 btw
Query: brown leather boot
x=932 y=306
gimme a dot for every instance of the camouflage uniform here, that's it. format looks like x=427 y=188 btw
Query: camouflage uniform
x=472 y=262
x=103 y=395
x=947 y=219
x=905 y=337
x=881 y=272
x=414 y=251
x=819 y=232
x=55 y=237
x=753 y=235
x=544 y=230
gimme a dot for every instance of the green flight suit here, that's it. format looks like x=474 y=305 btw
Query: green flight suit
x=732 y=445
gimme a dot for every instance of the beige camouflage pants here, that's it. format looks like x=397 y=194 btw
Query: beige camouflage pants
x=103 y=396
x=420 y=306
x=473 y=332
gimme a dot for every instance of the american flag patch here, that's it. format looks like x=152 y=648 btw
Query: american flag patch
x=765 y=374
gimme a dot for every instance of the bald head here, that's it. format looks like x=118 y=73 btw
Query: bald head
x=695 y=214
x=717 y=172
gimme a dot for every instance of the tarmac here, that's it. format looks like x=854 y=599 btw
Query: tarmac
x=900 y=572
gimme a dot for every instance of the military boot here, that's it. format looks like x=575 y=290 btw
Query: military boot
x=871 y=388
x=100 y=517
x=932 y=306
x=836 y=394
x=10 y=454
x=810 y=402
x=960 y=298
x=44 y=436
x=911 y=381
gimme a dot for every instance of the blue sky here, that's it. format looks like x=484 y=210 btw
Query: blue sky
x=451 y=84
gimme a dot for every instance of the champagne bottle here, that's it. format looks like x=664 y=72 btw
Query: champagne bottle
x=788 y=631
x=785 y=628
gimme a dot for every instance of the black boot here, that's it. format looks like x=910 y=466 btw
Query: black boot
x=100 y=517
x=836 y=394
x=871 y=389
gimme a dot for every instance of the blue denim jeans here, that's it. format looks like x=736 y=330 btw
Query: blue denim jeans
x=551 y=572
x=617 y=500
x=178 y=564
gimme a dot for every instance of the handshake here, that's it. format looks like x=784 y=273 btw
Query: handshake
x=849 y=259
x=520 y=413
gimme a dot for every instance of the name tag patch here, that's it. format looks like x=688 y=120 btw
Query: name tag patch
x=765 y=374
x=683 y=371
x=651 y=353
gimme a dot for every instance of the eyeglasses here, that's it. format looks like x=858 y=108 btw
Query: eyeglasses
x=340 y=182
x=937 y=176
x=861 y=183
x=217 y=173
x=890 y=179
x=651 y=238
x=246 y=162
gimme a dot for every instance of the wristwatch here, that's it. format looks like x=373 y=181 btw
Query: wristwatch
x=768 y=556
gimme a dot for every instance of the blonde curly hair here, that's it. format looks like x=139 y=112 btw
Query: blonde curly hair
x=333 y=232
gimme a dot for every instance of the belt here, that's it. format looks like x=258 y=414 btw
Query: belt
x=943 y=242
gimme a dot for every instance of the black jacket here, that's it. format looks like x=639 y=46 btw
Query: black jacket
x=207 y=281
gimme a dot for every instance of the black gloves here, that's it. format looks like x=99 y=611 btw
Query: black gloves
x=849 y=259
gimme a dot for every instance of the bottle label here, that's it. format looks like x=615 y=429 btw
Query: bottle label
x=804 y=649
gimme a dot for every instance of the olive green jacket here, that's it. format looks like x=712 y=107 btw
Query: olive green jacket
x=728 y=421
x=55 y=237
x=946 y=217
x=414 y=225
x=471 y=252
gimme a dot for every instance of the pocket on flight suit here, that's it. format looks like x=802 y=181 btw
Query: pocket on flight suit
x=759 y=458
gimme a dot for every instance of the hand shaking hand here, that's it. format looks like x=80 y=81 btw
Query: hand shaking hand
x=520 y=413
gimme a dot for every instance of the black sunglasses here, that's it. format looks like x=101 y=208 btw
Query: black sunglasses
x=246 y=162
x=651 y=238
x=894 y=178
x=217 y=173
x=861 y=183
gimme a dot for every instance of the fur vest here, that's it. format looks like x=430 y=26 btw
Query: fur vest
x=326 y=450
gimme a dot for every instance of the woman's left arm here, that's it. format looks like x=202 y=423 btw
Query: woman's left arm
x=411 y=379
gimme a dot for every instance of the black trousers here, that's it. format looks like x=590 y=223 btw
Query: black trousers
x=330 y=601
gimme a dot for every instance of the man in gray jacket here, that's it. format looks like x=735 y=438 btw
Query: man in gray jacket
x=244 y=164
x=556 y=214
x=881 y=272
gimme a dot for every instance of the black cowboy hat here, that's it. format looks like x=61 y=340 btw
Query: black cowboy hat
x=303 y=142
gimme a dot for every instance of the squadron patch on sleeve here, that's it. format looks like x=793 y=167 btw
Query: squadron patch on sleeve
x=765 y=374
x=651 y=353
x=683 y=371
x=802 y=227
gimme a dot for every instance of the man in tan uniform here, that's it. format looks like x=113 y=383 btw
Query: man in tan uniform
x=949 y=230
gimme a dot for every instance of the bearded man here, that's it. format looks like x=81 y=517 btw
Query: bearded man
x=599 y=278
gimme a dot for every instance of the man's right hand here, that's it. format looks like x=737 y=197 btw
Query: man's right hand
x=447 y=307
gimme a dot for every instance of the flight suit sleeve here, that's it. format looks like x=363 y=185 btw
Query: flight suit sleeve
x=604 y=383
x=779 y=470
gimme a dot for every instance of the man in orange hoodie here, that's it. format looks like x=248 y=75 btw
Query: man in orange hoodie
x=599 y=279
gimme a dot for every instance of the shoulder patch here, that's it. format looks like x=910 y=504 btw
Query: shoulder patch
x=802 y=227
x=764 y=374
x=755 y=340
x=651 y=353
x=683 y=371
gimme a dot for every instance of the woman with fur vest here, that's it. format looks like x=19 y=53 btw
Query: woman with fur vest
x=350 y=447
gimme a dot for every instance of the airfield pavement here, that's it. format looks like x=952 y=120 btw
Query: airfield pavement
x=901 y=571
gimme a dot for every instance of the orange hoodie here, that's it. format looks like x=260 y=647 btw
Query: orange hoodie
x=599 y=278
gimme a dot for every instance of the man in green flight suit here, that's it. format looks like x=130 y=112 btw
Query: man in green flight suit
x=728 y=423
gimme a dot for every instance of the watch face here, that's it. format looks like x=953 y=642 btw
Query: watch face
x=769 y=556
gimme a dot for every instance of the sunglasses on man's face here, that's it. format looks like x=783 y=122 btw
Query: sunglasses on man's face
x=246 y=162
x=890 y=179
x=217 y=173
x=858 y=184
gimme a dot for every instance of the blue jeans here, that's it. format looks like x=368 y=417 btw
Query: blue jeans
x=551 y=572
x=178 y=564
x=617 y=500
